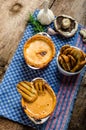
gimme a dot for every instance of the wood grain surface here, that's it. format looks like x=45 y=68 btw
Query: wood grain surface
x=13 y=19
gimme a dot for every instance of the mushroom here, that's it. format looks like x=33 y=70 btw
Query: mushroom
x=83 y=34
x=66 y=25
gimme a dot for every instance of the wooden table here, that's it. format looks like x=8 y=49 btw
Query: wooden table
x=13 y=18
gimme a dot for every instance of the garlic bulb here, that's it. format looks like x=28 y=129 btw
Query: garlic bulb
x=45 y=16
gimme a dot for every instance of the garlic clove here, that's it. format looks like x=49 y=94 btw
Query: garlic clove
x=50 y=31
x=84 y=40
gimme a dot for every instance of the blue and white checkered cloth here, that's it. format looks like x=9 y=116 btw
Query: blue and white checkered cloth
x=10 y=99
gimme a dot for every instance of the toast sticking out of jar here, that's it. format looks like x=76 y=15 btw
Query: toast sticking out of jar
x=40 y=85
x=27 y=90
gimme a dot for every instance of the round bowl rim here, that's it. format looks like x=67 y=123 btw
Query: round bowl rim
x=64 y=71
x=54 y=102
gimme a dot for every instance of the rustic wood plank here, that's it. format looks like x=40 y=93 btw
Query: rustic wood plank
x=74 y=8
x=13 y=19
x=78 y=121
x=6 y=124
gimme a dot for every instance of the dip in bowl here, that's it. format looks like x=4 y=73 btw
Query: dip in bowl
x=38 y=51
x=41 y=109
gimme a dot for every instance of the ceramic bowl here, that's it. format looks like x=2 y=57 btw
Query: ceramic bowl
x=64 y=72
x=39 y=50
x=40 y=117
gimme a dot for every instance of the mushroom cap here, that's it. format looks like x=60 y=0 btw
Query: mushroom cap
x=66 y=32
